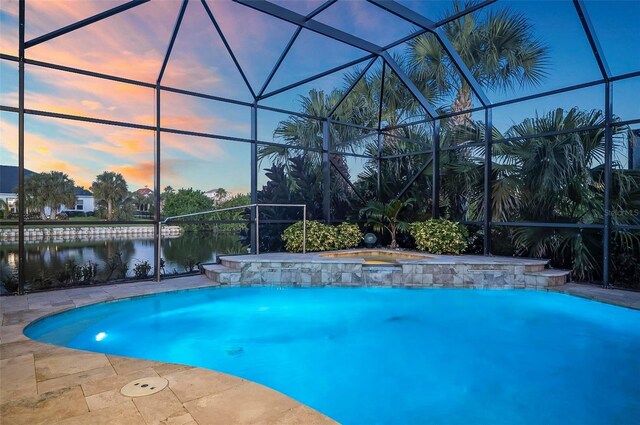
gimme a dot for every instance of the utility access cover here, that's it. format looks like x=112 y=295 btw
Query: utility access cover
x=144 y=386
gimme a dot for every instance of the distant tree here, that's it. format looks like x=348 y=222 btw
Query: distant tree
x=110 y=188
x=49 y=190
x=221 y=195
x=186 y=201
x=168 y=190
x=4 y=209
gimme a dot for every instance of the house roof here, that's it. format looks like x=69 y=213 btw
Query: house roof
x=81 y=191
x=145 y=191
x=9 y=178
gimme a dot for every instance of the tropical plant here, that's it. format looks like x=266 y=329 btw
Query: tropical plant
x=385 y=216
x=439 y=236
x=498 y=47
x=190 y=263
x=110 y=188
x=49 y=190
x=141 y=269
x=321 y=237
x=560 y=179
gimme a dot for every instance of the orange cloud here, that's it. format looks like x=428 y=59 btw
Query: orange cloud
x=138 y=174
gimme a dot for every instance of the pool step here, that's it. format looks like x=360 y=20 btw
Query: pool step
x=230 y=264
x=548 y=277
x=222 y=274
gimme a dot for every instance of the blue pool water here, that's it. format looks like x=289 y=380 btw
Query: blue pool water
x=389 y=356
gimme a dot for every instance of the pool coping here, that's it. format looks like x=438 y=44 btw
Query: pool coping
x=42 y=383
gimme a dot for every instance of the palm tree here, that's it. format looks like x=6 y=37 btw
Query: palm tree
x=110 y=188
x=384 y=216
x=221 y=195
x=560 y=179
x=498 y=47
x=63 y=191
x=49 y=190
x=4 y=209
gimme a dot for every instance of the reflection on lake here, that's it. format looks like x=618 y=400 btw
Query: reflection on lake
x=51 y=264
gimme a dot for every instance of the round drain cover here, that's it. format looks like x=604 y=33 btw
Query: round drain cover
x=144 y=386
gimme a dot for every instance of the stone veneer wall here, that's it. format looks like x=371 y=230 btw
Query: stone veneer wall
x=467 y=275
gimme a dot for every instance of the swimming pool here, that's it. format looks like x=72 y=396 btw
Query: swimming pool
x=388 y=356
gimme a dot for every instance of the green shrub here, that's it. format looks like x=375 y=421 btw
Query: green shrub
x=440 y=236
x=348 y=236
x=141 y=269
x=321 y=237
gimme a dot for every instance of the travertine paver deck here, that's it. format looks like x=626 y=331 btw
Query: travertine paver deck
x=46 y=384
x=619 y=297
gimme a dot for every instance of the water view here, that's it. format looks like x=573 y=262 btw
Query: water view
x=55 y=263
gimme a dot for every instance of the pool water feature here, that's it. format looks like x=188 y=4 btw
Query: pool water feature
x=388 y=356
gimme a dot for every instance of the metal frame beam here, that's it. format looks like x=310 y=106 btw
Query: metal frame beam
x=316 y=76
x=326 y=171
x=254 y=179
x=608 y=180
x=380 y=136
x=351 y=87
x=157 y=188
x=283 y=55
x=590 y=32
x=488 y=158
x=315 y=26
x=174 y=35
x=226 y=45
x=21 y=111
x=444 y=21
x=347 y=180
x=410 y=86
x=414 y=178
x=83 y=23
x=435 y=182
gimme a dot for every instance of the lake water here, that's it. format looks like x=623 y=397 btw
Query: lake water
x=51 y=264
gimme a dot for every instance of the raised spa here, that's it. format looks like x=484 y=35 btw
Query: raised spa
x=388 y=356
x=376 y=256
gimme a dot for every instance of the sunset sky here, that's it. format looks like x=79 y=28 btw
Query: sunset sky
x=132 y=45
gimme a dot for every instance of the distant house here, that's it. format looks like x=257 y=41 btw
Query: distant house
x=84 y=202
x=9 y=182
x=218 y=195
x=143 y=199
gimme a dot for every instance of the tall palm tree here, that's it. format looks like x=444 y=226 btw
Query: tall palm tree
x=110 y=188
x=35 y=197
x=63 y=191
x=498 y=47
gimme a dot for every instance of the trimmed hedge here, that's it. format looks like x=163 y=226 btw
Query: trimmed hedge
x=322 y=237
x=440 y=236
